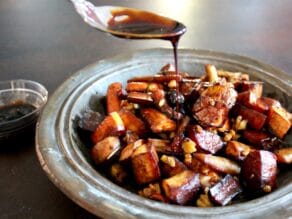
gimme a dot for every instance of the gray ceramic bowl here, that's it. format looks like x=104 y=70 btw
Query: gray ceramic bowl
x=65 y=158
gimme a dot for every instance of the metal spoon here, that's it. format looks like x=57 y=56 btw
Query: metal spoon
x=128 y=22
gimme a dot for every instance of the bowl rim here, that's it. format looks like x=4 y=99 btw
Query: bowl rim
x=49 y=153
x=43 y=96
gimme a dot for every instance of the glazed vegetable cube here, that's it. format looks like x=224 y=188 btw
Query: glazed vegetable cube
x=205 y=141
x=284 y=155
x=254 y=86
x=220 y=164
x=181 y=188
x=145 y=164
x=127 y=151
x=158 y=121
x=132 y=123
x=113 y=101
x=225 y=190
x=255 y=138
x=259 y=171
x=112 y=125
x=104 y=150
x=278 y=121
x=237 y=150
x=255 y=119
x=140 y=98
x=171 y=166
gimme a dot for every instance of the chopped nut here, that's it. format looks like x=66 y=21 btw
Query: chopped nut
x=155 y=187
x=235 y=137
x=136 y=106
x=172 y=135
x=199 y=129
x=189 y=146
x=172 y=84
x=230 y=136
x=188 y=159
x=161 y=102
x=240 y=124
x=227 y=137
x=168 y=160
x=267 y=188
x=204 y=201
x=149 y=191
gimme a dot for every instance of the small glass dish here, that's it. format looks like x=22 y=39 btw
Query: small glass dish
x=20 y=104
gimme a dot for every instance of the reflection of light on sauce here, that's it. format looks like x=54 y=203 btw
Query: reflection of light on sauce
x=15 y=111
x=131 y=21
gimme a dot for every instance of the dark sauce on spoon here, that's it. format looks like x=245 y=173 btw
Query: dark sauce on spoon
x=136 y=24
x=15 y=111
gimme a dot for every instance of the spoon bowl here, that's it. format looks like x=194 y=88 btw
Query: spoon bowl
x=128 y=22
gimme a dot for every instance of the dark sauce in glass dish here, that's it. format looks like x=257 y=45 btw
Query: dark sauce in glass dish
x=15 y=111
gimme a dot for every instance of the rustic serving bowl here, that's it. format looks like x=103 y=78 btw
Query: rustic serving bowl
x=65 y=158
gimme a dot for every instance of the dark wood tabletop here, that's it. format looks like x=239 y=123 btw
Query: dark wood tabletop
x=47 y=41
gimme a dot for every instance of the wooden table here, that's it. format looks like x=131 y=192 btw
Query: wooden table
x=46 y=41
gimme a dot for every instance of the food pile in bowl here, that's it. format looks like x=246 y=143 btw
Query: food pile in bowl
x=202 y=141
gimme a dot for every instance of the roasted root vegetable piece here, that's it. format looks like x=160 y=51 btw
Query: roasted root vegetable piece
x=255 y=119
x=279 y=121
x=90 y=120
x=157 y=121
x=113 y=101
x=161 y=145
x=181 y=188
x=158 y=78
x=284 y=155
x=212 y=107
x=225 y=190
x=208 y=176
x=112 y=125
x=247 y=98
x=142 y=87
x=233 y=77
x=259 y=171
x=220 y=164
x=237 y=150
x=140 y=98
x=205 y=141
x=171 y=166
x=255 y=138
x=132 y=123
x=211 y=73
x=104 y=150
x=127 y=151
x=145 y=164
x=254 y=86
x=263 y=104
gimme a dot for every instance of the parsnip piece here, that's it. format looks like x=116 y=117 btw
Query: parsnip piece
x=181 y=188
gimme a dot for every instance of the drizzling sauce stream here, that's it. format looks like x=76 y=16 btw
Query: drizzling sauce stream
x=131 y=23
